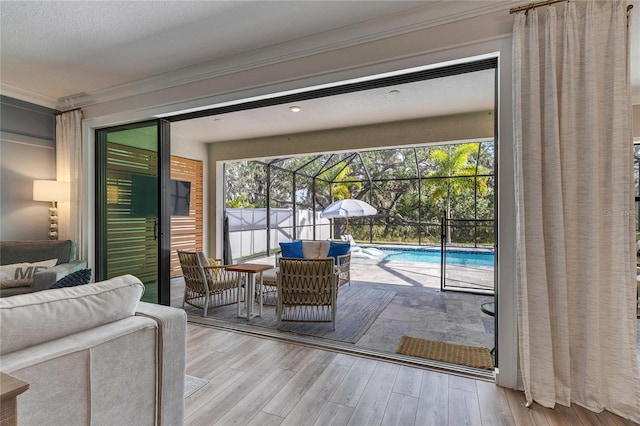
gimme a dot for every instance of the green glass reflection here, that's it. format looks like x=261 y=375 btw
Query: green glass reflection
x=132 y=206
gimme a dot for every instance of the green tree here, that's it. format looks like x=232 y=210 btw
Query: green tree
x=453 y=164
x=338 y=178
x=238 y=201
x=245 y=180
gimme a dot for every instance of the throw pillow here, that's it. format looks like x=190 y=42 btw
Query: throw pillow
x=214 y=262
x=81 y=277
x=338 y=249
x=292 y=249
x=21 y=274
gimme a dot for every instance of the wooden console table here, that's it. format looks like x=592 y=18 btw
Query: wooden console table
x=10 y=388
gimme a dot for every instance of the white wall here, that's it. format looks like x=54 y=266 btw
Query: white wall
x=195 y=151
x=27 y=153
x=250 y=241
x=23 y=160
x=482 y=35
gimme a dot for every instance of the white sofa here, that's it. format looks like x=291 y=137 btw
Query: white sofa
x=95 y=355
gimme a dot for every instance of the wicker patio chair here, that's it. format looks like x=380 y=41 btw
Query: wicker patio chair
x=207 y=284
x=343 y=266
x=307 y=290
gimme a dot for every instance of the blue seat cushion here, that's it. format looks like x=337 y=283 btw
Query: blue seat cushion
x=338 y=249
x=81 y=277
x=292 y=249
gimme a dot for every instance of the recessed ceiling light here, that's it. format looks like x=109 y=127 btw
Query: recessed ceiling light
x=295 y=108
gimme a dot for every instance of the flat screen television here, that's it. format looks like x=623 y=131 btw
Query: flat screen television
x=180 y=191
x=144 y=196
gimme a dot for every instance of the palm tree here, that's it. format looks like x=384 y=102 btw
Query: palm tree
x=450 y=164
x=338 y=177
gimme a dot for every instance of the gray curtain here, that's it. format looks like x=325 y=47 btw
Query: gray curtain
x=226 y=251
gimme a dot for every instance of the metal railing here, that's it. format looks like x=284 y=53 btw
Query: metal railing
x=477 y=235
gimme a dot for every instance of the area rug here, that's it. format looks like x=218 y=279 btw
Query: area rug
x=470 y=356
x=358 y=308
x=192 y=384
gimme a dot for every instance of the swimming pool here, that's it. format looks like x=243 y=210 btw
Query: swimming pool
x=454 y=257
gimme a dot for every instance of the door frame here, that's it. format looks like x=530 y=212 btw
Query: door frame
x=164 y=217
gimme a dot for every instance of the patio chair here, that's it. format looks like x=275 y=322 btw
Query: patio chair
x=307 y=290
x=343 y=266
x=270 y=278
x=207 y=284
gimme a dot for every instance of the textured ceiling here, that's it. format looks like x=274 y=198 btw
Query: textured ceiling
x=61 y=48
x=54 y=50
x=57 y=49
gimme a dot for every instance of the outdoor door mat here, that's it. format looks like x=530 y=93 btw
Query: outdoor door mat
x=470 y=356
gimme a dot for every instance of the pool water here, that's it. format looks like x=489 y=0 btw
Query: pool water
x=454 y=257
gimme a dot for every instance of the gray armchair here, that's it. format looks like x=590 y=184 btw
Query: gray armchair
x=12 y=252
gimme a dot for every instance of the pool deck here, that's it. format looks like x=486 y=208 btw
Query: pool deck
x=423 y=274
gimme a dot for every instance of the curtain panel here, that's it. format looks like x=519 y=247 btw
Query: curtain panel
x=575 y=260
x=69 y=169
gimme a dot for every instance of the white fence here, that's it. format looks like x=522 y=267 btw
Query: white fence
x=248 y=229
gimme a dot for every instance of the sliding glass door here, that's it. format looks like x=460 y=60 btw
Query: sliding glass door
x=132 y=214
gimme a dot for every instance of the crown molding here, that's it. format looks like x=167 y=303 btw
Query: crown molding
x=430 y=15
x=28 y=96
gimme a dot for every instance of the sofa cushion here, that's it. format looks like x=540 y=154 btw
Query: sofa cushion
x=37 y=250
x=315 y=249
x=81 y=277
x=16 y=284
x=29 y=319
x=311 y=249
x=338 y=249
x=21 y=274
x=325 y=245
x=292 y=249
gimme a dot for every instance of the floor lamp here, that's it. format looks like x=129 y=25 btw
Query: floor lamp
x=53 y=191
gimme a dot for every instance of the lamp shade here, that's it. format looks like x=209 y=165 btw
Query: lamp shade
x=50 y=190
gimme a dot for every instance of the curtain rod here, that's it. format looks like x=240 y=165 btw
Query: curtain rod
x=544 y=3
x=68 y=110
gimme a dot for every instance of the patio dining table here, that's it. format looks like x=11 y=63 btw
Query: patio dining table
x=250 y=270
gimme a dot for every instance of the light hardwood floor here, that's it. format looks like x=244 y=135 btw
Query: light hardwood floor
x=259 y=381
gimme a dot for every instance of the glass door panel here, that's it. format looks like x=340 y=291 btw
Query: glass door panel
x=130 y=229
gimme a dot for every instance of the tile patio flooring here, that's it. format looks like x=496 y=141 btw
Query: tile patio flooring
x=419 y=308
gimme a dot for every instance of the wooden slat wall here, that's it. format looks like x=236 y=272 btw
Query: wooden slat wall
x=186 y=232
x=130 y=245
